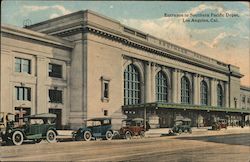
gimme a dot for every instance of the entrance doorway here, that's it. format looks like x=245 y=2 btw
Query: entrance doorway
x=58 y=113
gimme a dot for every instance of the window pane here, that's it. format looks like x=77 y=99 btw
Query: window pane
x=219 y=96
x=17 y=64
x=185 y=90
x=55 y=70
x=204 y=93
x=20 y=93
x=17 y=93
x=26 y=66
x=106 y=90
x=55 y=96
x=131 y=85
x=161 y=87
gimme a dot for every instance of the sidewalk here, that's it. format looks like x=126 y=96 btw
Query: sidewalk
x=199 y=131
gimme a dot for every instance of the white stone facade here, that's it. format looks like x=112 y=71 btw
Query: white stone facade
x=94 y=51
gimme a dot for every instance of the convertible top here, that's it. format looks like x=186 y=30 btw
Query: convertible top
x=44 y=115
x=184 y=119
x=98 y=119
x=135 y=119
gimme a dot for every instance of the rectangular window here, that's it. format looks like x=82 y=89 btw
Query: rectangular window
x=243 y=99
x=55 y=96
x=130 y=31
x=141 y=35
x=105 y=112
x=23 y=93
x=55 y=70
x=22 y=65
x=105 y=89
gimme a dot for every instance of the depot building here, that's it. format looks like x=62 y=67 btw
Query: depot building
x=85 y=65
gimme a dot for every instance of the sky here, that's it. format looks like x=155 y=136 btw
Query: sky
x=226 y=40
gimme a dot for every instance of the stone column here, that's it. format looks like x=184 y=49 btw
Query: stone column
x=41 y=90
x=226 y=95
x=213 y=92
x=178 y=86
x=153 y=99
x=174 y=86
x=199 y=90
x=195 y=89
x=68 y=65
x=147 y=82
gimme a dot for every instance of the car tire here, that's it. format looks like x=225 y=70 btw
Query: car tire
x=128 y=135
x=142 y=134
x=17 y=138
x=109 y=135
x=179 y=131
x=87 y=136
x=51 y=136
x=185 y=131
x=190 y=131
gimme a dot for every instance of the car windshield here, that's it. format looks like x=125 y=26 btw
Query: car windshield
x=93 y=123
x=36 y=121
x=177 y=123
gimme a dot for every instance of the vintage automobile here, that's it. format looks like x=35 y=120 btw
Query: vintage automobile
x=35 y=128
x=180 y=126
x=218 y=125
x=95 y=128
x=5 y=118
x=132 y=127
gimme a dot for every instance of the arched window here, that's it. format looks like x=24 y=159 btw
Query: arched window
x=185 y=90
x=161 y=87
x=132 y=92
x=219 y=96
x=204 y=93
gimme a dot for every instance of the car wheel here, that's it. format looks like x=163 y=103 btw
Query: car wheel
x=179 y=131
x=87 y=136
x=109 y=135
x=128 y=135
x=185 y=131
x=142 y=134
x=51 y=136
x=190 y=131
x=17 y=138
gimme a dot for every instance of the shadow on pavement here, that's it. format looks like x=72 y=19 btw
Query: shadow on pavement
x=231 y=139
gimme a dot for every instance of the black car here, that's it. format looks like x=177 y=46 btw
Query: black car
x=95 y=128
x=182 y=125
x=35 y=128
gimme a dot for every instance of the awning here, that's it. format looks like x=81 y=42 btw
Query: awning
x=160 y=105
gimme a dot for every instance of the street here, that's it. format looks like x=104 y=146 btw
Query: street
x=227 y=147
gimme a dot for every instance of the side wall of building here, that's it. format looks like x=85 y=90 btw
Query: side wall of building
x=38 y=81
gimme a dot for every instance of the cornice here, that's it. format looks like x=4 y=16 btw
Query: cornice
x=85 y=27
x=29 y=34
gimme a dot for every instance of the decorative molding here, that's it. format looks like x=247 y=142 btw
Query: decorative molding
x=160 y=52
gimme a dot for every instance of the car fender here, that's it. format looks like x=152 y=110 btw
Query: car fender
x=12 y=132
x=54 y=129
x=125 y=130
x=81 y=131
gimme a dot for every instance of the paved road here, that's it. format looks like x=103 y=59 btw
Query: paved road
x=184 y=148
